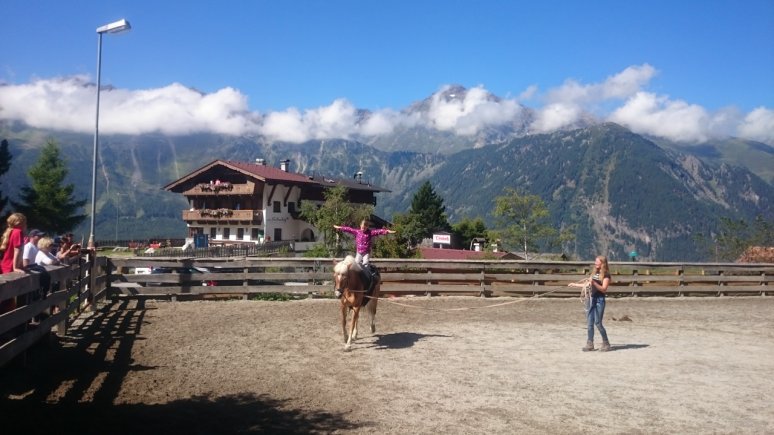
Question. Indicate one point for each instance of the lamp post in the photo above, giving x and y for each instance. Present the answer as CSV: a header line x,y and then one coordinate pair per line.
x,y
114,27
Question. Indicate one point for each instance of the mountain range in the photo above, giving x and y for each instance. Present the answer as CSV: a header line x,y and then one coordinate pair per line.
x,y
618,191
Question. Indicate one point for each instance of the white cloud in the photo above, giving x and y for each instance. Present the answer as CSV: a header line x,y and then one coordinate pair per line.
x,y
68,104
758,125
555,116
468,114
657,115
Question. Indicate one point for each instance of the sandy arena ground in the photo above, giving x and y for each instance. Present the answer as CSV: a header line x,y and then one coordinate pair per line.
x,y
681,365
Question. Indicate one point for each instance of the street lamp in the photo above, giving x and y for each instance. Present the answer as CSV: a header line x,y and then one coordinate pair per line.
x,y
114,27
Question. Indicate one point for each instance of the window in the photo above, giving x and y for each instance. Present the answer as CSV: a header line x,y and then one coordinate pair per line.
x,y
254,234
240,233
277,207
213,232
277,234
291,207
226,233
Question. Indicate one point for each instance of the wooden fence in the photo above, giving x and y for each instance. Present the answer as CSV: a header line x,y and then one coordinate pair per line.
x,y
95,279
73,288
312,276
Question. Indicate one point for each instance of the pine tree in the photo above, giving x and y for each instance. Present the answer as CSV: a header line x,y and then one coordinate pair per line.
x,y
49,204
427,206
5,165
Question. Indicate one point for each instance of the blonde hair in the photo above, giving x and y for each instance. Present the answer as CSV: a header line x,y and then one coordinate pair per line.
x,y
45,243
604,270
15,220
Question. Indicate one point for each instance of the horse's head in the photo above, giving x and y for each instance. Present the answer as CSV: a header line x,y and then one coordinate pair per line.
x,y
341,273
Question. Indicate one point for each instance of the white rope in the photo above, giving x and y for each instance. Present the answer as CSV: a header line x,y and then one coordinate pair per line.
x,y
516,301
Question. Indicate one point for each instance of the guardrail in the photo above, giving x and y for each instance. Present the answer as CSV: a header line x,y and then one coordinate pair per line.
x,y
245,276
73,288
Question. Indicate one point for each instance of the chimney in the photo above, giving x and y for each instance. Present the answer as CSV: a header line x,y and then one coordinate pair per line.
x,y
284,165
260,161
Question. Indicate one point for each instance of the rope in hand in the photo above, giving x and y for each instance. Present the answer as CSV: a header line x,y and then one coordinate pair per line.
x,y
585,292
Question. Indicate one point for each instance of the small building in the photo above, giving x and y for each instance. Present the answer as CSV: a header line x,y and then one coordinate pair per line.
x,y
237,202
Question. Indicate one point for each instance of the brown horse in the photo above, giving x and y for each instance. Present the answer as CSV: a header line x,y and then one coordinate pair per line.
x,y
348,281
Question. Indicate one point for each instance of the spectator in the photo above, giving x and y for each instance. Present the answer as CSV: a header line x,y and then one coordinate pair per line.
x,y
45,257
31,247
11,245
68,250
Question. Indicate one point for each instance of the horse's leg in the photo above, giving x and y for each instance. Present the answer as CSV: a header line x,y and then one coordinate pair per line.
x,y
355,317
344,320
352,326
372,307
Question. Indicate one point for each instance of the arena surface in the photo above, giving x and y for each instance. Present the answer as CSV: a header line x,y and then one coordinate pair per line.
x,y
435,365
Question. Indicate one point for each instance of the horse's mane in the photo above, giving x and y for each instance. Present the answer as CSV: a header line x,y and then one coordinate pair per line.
x,y
343,265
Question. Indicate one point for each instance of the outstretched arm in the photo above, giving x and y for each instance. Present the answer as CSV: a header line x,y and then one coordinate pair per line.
x,y
582,283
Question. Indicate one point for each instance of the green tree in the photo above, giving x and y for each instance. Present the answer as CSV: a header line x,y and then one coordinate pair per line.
x,y
401,244
468,229
49,204
5,165
734,236
336,210
428,214
522,220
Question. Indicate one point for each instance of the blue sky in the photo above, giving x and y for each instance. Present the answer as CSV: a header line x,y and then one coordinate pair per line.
x,y
307,64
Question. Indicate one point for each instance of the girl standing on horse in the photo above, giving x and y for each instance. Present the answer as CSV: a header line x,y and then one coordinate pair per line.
x,y
363,237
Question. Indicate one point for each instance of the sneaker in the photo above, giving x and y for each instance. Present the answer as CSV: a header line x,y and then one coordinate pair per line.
x,y
589,346
605,347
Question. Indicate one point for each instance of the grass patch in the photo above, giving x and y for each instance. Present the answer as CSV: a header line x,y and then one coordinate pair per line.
x,y
275,297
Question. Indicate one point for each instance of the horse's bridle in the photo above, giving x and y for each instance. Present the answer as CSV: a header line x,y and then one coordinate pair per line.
x,y
343,278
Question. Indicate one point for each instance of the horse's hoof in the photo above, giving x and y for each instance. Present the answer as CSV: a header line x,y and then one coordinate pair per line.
x,y
373,329
347,348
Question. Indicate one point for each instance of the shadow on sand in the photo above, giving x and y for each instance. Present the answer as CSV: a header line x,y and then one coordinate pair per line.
x,y
401,340
46,393
627,346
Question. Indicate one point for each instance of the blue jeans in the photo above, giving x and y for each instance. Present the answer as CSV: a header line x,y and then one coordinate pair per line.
x,y
594,317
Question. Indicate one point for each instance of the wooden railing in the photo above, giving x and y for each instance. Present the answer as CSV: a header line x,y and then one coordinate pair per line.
x,y
223,214
73,289
245,276
221,189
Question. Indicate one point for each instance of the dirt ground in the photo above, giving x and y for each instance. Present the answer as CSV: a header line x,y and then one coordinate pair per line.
x,y
460,365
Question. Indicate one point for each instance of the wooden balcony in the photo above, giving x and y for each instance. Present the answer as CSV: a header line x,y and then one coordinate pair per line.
x,y
208,189
223,215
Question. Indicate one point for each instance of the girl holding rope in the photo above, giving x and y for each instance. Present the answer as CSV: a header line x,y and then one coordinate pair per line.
x,y
593,293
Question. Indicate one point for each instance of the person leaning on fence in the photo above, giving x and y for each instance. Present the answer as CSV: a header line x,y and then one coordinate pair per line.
x,y
12,245
45,257
596,286
67,249
31,247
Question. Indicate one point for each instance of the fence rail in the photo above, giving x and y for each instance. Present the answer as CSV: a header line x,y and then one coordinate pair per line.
x,y
38,310
246,276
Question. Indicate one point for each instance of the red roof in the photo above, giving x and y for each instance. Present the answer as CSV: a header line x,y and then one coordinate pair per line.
x,y
274,174
461,254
